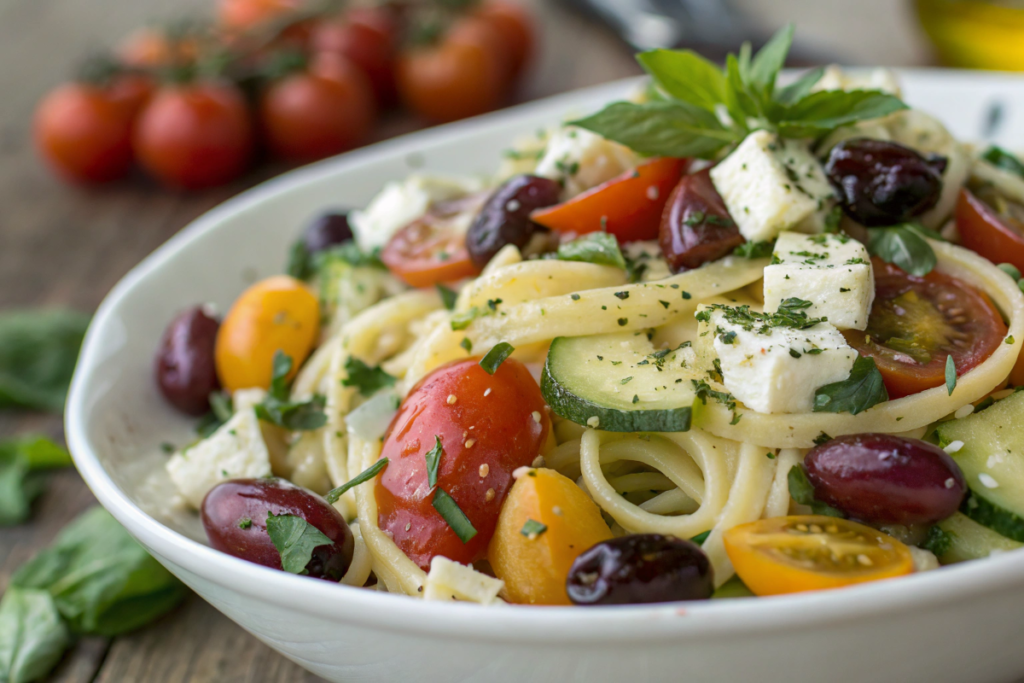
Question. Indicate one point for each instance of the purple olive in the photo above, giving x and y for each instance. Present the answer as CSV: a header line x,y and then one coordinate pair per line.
x,y
235,518
637,569
883,183
185,368
505,216
885,479
329,230
696,227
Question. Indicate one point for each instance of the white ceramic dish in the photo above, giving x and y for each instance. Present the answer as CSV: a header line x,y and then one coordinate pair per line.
x,y
958,624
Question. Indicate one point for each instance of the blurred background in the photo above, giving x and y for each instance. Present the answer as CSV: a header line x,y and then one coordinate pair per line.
x,y
122,120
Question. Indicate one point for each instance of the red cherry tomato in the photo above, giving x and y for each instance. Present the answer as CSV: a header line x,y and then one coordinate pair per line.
x,y
314,114
514,22
462,76
243,15
629,206
493,425
997,237
195,135
433,248
917,322
367,37
84,131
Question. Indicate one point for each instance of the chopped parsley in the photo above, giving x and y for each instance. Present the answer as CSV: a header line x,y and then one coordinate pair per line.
x,y
496,356
368,380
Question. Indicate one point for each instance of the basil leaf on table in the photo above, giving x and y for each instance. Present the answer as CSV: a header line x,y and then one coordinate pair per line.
x,y
32,635
597,247
38,352
802,491
904,246
23,462
863,389
101,580
295,539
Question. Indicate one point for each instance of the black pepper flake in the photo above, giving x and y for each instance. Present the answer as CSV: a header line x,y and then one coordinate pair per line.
x,y
623,322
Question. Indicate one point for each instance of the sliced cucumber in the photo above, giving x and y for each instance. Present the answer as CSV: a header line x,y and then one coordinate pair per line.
x,y
969,540
992,460
620,383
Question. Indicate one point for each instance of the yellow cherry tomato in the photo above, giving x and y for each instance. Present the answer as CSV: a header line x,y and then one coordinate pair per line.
x,y
276,314
534,565
808,553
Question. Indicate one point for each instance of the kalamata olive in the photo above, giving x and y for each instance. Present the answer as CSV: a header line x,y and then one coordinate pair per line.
x,y
883,183
641,568
185,368
505,216
885,479
235,518
330,229
696,227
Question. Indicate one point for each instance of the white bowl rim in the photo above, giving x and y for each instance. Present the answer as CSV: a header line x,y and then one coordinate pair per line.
x,y
544,626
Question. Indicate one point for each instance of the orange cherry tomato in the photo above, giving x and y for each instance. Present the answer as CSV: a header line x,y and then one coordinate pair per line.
x,y
195,135
84,131
917,322
318,113
514,22
149,49
367,36
457,78
276,314
484,438
629,206
996,236
809,553
433,249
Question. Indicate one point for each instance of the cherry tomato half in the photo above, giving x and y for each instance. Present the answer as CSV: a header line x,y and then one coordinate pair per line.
x,y
366,36
797,554
996,235
917,322
195,135
629,206
488,425
433,249
314,114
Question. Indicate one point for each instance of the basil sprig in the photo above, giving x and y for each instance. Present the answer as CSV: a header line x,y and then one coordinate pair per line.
x,y
863,389
906,246
23,463
688,121
38,352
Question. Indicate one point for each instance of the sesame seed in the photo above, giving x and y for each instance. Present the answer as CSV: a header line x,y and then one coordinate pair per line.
x,y
408,526
520,472
953,446
485,469
557,510
487,392
489,496
653,192
470,443
452,399
964,411
815,529
536,416
593,421
864,560
950,483
987,481
538,461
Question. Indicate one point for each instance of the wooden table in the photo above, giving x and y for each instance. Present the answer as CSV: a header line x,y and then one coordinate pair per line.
x,y
63,246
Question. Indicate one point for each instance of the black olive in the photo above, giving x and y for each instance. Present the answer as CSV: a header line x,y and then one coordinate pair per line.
x,y
505,217
185,368
696,227
329,230
884,183
642,568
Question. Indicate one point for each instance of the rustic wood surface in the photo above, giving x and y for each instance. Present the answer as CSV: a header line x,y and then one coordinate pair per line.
x,y
64,246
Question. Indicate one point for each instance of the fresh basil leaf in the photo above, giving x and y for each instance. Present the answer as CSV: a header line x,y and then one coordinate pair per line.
x,y
768,62
600,248
453,515
755,249
802,491
739,102
281,366
461,321
38,352
101,580
686,76
496,356
826,110
701,537
433,458
368,380
295,539
1000,158
675,129
950,374
32,635
448,296
904,246
800,88
23,461
863,389
278,409
532,528
222,406
361,478
300,261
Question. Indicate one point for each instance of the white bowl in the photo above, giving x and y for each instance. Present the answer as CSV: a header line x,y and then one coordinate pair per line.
x,y
956,624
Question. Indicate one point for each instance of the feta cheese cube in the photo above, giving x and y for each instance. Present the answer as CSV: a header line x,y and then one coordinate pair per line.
x,y
402,202
235,451
449,580
582,160
770,185
833,272
768,366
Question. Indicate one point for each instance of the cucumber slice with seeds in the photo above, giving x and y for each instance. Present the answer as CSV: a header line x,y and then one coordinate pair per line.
x,y
620,383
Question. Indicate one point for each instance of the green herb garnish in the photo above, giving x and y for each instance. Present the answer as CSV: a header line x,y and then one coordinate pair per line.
x,y
802,491
448,296
277,408
1000,158
368,380
600,248
496,356
533,528
950,374
453,515
433,458
863,389
904,246
755,249
366,475
295,539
